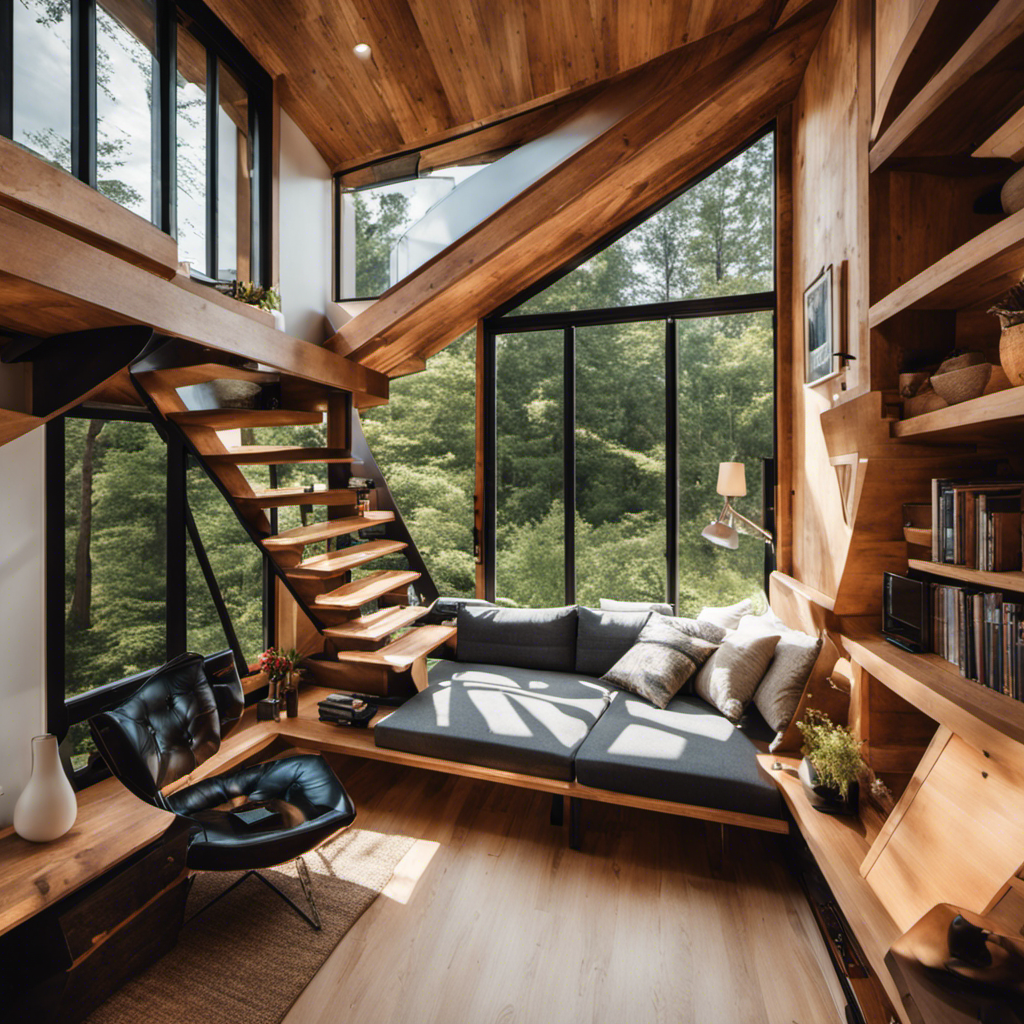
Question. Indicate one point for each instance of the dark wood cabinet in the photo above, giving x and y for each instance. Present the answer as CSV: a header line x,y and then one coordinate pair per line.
x,y
59,965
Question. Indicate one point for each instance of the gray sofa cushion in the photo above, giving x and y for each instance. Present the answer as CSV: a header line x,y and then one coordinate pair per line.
x,y
538,638
514,719
603,637
688,753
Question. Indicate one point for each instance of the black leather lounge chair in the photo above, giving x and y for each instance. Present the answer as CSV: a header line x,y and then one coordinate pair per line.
x,y
244,819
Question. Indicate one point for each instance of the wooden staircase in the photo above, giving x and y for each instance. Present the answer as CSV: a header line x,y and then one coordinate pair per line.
x,y
366,635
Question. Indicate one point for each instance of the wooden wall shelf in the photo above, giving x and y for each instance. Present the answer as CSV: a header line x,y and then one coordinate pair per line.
x,y
976,273
988,720
1001,580
968,98
981,418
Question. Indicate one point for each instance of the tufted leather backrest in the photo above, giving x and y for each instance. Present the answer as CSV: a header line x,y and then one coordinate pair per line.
x,y
227,689
168,727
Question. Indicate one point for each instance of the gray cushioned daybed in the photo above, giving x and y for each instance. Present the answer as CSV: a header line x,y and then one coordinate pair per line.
x,y
525,696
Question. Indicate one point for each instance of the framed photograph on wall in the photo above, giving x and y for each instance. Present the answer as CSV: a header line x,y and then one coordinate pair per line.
x,y
819,338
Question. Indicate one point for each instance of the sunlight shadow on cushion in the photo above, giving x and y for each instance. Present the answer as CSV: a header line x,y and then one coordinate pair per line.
x,y
501,717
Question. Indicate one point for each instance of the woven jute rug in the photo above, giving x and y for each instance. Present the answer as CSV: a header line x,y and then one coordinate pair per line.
x,y
246,959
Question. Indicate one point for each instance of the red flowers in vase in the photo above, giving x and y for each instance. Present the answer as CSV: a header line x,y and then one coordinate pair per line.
x,y
279,663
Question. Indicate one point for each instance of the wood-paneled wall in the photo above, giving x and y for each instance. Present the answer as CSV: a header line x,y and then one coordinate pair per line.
x,y
830,187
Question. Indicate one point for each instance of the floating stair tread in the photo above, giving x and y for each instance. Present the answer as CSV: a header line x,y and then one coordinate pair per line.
x,y
378,625
229,419
369,588
316,532
415,644
278,455
334,563
281,496
202,373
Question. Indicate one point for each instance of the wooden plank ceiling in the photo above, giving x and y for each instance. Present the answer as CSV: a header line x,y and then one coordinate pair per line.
x,y
441,67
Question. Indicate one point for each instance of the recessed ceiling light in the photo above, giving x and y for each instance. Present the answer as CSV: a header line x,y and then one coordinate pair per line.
x,y
362,51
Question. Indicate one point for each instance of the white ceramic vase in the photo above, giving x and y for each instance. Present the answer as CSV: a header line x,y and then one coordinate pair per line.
x,y
47,807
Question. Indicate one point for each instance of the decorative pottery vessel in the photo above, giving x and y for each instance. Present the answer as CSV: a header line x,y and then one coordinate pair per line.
x,y
962,384
1011,354
47,807
826,798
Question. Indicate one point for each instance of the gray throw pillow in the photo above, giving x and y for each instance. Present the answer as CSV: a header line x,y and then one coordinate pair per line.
x,y
779,693
635,606
603,637
731,675
540,638
666,655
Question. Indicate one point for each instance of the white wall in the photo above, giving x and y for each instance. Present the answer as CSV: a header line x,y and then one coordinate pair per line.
x,y
305,235
22,632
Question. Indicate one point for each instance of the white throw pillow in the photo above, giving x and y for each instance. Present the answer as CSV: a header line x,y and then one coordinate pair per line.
x,y
779,692
635,606
730,677
729,616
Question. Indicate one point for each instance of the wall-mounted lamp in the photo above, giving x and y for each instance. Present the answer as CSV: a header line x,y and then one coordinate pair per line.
x,y
725,530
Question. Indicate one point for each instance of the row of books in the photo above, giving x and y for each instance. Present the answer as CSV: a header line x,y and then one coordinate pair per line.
x,y
977,524
980,633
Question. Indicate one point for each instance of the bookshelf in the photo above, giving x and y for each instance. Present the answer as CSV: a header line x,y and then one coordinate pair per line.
x,y
1013,581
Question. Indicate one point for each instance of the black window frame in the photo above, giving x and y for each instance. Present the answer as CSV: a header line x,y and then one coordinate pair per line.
x,y
211,32
500,322
62,712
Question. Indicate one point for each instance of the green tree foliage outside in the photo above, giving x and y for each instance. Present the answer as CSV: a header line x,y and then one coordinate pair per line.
x,y
716,239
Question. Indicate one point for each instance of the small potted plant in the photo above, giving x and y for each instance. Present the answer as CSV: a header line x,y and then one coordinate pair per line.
x,y
252,294
832,764
280,666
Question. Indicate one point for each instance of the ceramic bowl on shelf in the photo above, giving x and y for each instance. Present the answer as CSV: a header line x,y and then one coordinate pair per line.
x,y
963,384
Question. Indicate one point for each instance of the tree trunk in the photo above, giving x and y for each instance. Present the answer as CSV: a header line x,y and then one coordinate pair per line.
x,y
80,615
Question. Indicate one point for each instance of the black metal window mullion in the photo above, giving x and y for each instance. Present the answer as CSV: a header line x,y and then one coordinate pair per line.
x,y
83,91
212,162
7,69
672,462
165,135
177,579
489,518
56,710
569,459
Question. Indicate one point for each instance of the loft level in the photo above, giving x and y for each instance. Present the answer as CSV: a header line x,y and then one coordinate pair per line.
x,y
968,98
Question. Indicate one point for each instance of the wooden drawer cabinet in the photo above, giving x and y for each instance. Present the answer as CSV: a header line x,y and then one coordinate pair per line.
x,y
63,962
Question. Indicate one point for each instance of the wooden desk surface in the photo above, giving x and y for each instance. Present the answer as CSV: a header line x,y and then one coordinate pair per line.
x,y
112,825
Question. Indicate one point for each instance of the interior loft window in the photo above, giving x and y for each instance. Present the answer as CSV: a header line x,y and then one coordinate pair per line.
x,y
191,112
377,245
41,85
125,69
423,440
233,196
182,150
633,326
715,239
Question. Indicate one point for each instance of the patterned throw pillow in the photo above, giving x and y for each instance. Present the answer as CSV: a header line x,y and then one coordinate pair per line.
x,y
666,655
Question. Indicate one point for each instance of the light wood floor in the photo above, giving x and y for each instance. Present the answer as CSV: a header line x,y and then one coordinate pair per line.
x,y
491,919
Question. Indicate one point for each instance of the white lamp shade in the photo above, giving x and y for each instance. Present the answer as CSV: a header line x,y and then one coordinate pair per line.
x,y
732,479
722,535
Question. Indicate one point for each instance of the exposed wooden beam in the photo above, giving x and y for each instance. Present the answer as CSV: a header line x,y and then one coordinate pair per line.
x,y
30,185
104,290
678,125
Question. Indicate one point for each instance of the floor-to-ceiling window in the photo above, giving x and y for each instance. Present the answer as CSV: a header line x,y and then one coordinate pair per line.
x,y
616,388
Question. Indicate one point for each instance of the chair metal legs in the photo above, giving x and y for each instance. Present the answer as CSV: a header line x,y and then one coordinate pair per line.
x,y
312,918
